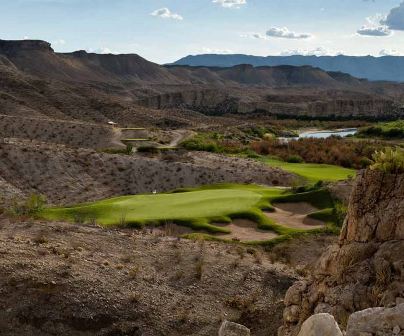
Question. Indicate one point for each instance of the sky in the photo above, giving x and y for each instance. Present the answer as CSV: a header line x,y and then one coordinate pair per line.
x,y
163,31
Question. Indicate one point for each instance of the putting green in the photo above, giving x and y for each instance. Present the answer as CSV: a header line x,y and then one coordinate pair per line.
x,y
202,205
313,172
198,208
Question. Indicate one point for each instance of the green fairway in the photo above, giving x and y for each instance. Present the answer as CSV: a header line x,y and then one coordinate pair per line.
x,y
313,172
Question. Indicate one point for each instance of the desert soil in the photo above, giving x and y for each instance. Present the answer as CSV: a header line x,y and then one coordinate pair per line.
x,y
64,279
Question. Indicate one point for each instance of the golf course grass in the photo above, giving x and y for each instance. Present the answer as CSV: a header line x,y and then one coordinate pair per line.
x,y
197,209
313,172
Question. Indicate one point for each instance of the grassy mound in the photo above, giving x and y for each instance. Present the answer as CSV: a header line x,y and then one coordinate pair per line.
x,y
320,198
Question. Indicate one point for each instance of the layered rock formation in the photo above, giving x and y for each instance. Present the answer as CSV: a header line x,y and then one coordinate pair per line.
x,y
366,268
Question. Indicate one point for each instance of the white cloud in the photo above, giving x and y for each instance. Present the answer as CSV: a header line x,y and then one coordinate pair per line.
x,y
374,31
59,42
374,27
257,36
277,33
320,51
286,33
206,50
102,50
391,52
231,3
165,13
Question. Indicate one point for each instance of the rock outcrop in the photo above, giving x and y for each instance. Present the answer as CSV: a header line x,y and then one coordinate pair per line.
x,y
369,322
320,325
376,211
233,329
377,321
366,268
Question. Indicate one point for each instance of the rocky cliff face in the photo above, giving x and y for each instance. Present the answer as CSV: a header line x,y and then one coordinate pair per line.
x,y
376,211
220,102
366,268
11,47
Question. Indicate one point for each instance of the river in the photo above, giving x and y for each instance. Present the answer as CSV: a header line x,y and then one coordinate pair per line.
x,y
323,134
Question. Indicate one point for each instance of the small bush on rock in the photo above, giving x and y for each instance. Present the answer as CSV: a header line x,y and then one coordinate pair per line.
x,y
389,160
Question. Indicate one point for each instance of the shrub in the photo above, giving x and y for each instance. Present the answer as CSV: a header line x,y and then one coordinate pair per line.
x,y
333,150
390,130
204,145
214,143
148,149
126,151
389,160
340,211
34,204
365,162
294,159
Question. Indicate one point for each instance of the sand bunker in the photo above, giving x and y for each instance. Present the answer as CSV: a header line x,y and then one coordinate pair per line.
x,y
246,230
294,215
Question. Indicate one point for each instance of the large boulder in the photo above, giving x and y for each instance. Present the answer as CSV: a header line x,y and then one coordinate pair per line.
x,y
233,329
377,321
320,325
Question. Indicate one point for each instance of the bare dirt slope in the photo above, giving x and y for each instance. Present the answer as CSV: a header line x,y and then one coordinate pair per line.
x,y
70,133
62,279
70,175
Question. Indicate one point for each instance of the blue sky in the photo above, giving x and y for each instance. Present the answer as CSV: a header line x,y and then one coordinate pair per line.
x,y
166,30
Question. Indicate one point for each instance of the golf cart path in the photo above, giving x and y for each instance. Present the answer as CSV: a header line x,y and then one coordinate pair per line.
x,y
179,136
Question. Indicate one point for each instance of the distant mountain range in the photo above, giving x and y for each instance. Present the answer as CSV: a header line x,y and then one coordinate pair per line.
x,y
36,81
387,68
39,59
